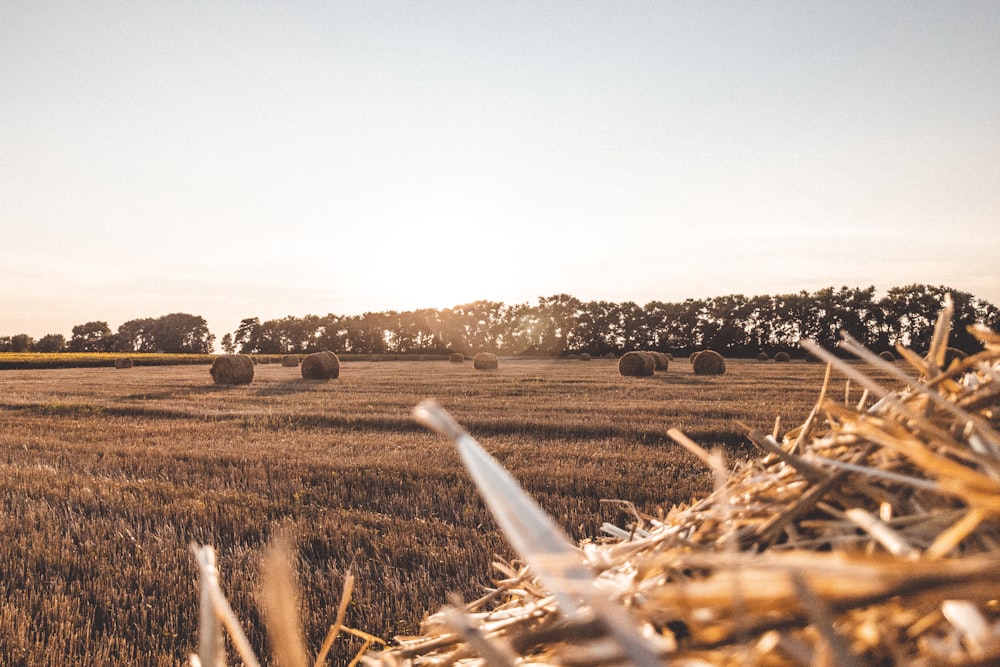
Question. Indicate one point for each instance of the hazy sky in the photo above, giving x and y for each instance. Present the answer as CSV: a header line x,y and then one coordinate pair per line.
x,y
240,159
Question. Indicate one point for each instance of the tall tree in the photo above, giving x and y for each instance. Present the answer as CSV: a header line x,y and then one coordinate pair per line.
x,y
21,343
137,336
91,337
248,335
182,333
51,343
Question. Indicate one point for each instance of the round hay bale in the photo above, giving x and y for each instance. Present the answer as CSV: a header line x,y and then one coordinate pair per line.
x,y
456,357
887,355
123,362
709,362
782,357
636,364
485,361
290,361
762,356
321,366
232,369
660,361
609,355
584,356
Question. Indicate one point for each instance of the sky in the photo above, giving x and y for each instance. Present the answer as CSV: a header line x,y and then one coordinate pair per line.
x,y
265,159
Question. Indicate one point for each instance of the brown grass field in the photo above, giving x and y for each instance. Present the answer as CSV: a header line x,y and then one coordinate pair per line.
x,y
109,475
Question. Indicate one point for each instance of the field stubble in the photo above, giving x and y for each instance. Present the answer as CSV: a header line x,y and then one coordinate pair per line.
x,y
109,475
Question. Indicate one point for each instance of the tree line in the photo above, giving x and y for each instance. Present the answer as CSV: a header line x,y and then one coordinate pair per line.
x,y
735,325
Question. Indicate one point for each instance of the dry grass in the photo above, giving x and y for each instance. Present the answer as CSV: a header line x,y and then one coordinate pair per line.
x,y
109,477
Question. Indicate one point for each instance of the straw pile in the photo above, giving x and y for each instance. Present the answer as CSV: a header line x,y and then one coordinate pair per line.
x,y
321,366
868,535
485,361
232,369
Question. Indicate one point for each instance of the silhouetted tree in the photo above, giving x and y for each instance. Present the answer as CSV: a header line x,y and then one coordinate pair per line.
x,y
51,343
91,337
248,335
22,343
136,336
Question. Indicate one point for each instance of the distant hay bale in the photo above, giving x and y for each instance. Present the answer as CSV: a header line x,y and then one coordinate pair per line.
x,y
265,359
609,355
584,356
485,361
660,361
290,361
321,366
782,357
952,354
762,356
572,357
456,357
232,369
636,364
709,362
887,355
123,362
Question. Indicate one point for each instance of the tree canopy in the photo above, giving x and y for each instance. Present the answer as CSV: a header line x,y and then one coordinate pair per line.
x,y
734,325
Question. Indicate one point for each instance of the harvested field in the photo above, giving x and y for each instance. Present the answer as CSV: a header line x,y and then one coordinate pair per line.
x,y
109,477
866,536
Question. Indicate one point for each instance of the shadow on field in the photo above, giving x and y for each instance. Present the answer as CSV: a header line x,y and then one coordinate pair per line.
x,y
174,393
289,387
